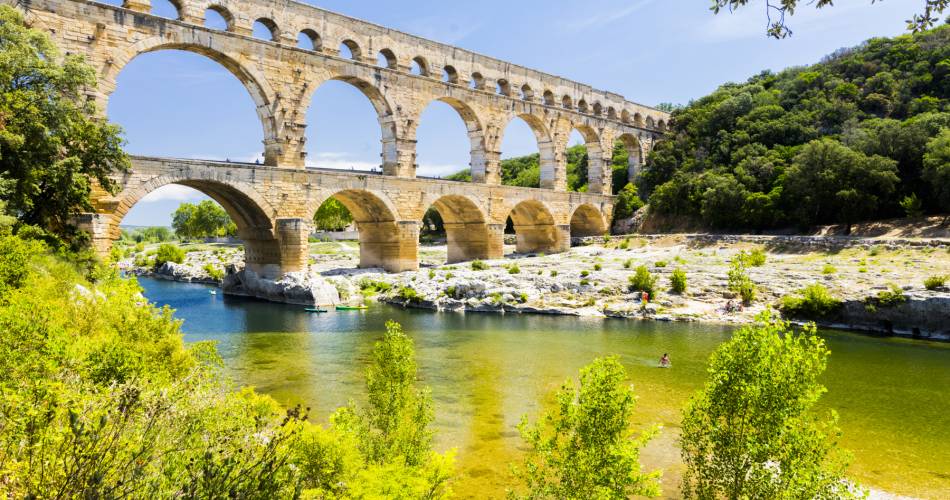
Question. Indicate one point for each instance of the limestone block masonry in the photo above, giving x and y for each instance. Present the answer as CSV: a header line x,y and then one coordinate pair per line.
x,y
273,204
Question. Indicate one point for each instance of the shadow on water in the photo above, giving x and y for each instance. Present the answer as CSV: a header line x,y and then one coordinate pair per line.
x,y
487,370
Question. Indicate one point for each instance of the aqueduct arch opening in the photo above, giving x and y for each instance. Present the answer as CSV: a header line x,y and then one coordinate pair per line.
x,y
271,246
587,221
536,230
549,176
634,156
466,230
382,237
474,134
598,173
256,86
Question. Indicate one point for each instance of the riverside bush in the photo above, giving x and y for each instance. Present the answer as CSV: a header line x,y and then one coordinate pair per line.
x,y
214,272
935,282
478,265
643,281
99,387
757,410
585,445
812,302
678,281
893,296
168,252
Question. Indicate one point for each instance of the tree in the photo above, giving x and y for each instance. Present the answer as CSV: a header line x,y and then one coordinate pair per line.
x,y
831,182
586,447
53,148
203,220
628,202
937,170
332,216
392,433
775,11
752,431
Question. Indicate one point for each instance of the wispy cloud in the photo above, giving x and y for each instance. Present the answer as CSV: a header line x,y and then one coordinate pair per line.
x,y
604,18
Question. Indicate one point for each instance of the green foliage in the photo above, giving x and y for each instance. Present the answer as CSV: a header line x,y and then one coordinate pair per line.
x,y
754,258
554,273
678,281
585,447
214,272
752,431
16,257
812,302
514,269
837,142
332,216
372,287
627,264
598,267
585,273
157,234
912,206
893,296
937,169
643,281
169,252
203,220
409,295
478,265
739,281
829,269
660,264
53,148
935,282
628,202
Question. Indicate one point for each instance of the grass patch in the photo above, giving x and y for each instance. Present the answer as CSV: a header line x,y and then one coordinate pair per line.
x,y
478,265
935,282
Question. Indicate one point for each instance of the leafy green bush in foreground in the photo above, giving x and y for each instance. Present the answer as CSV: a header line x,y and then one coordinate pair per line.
x,y
102,398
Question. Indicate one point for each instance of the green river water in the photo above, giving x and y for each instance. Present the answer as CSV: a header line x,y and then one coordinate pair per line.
x,y
487,370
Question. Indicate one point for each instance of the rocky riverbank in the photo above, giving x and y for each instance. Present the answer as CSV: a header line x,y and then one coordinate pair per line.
x,y
593,279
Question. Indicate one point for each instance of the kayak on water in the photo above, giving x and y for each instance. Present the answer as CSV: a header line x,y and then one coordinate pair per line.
x,y
351,308
316,310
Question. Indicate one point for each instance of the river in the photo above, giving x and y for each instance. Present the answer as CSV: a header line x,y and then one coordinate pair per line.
x,y
487,370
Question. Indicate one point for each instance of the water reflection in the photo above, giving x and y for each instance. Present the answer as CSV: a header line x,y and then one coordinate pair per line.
x,y
486,371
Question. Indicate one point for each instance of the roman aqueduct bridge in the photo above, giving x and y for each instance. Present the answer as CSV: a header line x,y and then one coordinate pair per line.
x,y
401,74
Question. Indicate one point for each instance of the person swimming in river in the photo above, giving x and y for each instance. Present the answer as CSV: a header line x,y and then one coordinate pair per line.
x,y
665,361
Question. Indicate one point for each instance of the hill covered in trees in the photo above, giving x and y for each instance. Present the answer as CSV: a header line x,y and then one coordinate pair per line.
x,y
863,134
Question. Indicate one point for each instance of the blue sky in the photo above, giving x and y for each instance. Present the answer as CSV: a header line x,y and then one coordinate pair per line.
x,y
180,104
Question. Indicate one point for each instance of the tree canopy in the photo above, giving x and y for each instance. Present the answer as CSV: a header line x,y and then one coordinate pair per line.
x,y
203,220
838,141
776,10
53,149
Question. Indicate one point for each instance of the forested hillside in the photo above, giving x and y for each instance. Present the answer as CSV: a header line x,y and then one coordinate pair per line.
x,y
864,134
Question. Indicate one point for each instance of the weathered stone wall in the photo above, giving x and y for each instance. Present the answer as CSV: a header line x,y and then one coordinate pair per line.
x,y
281,78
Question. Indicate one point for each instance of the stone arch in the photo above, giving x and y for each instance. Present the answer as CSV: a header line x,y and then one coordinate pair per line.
x,y
598,109
611,113
387,58
567,102
638,120
473,124
179,11
383,242
256,84
265,252
503,87
625,116
477,82
422,64
650,122
466,229
384,115
535,228
582,106
634,155
527,94
546,149
314,38
596,162
661,125
450,75
356,53
221,11
587,221
271,27
548,98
